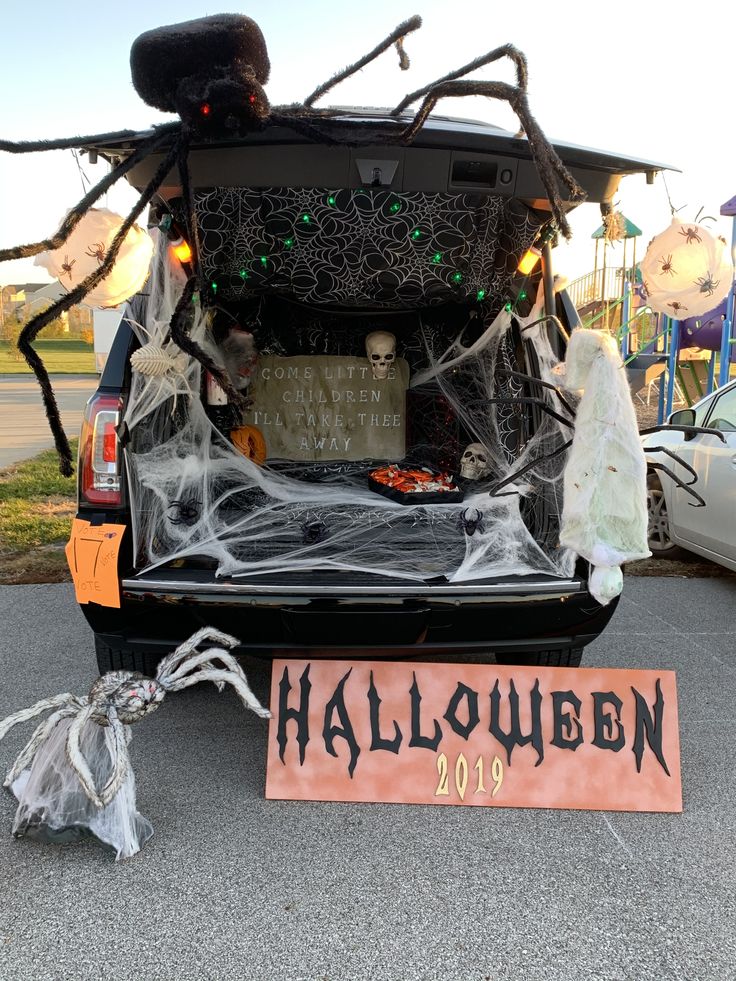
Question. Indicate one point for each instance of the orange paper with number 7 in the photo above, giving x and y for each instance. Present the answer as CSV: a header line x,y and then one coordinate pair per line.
x,y
92,554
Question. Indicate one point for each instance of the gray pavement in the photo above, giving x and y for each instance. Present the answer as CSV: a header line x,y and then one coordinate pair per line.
x,y
232,886
24,430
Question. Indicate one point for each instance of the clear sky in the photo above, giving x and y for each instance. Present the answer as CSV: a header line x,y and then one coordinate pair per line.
x,y
653,79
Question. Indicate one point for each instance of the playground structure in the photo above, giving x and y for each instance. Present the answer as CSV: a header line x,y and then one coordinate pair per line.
x,y
688,357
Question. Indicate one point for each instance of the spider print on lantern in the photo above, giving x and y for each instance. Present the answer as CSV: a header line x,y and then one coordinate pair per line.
x,y
667,265
707,284
97,251
67,266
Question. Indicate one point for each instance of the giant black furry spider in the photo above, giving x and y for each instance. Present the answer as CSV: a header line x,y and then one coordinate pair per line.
x,y
212,72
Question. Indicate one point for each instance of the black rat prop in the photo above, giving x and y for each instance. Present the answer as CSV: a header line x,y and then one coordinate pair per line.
x,y
212,72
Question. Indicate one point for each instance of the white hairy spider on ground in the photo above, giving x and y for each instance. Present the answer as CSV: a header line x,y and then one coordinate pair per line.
x,y
120,698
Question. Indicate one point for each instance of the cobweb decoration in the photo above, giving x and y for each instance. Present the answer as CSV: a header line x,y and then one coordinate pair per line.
x,y
249,520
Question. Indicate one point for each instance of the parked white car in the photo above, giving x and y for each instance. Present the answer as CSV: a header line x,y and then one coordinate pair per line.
x,y
676,521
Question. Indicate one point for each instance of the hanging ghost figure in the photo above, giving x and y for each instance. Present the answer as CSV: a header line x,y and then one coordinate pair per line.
x,y
474,463
380,347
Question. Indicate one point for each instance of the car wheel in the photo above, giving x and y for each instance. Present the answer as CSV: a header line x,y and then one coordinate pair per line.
x,y
658,528
124,659
568,657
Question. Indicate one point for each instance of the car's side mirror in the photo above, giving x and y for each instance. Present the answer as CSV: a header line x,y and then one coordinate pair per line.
x,y
683,417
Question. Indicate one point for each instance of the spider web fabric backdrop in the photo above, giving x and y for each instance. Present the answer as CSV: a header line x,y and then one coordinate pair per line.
x,y
361,247
194,496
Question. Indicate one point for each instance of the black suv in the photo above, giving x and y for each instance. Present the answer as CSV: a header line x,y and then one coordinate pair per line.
x,y
309,250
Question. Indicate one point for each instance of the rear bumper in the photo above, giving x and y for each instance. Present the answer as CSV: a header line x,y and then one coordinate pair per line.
x,y
328,615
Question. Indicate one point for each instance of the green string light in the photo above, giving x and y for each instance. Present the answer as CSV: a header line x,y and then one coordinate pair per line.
x,y
288,242
243,274
457,277
264,260
332,201
395,208
523,295
416,234
306,219
480,295
507,308
214,287
437,258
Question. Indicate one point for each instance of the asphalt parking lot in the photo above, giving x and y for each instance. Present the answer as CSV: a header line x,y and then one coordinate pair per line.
x,y
232,886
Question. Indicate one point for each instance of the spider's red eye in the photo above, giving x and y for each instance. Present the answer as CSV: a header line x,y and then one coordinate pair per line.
x,y
251,99
205,108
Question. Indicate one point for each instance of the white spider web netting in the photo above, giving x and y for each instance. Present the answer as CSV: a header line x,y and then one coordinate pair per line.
x,y
52,806
196,498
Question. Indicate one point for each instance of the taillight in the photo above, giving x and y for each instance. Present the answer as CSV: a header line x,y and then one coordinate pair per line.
x,y
99,465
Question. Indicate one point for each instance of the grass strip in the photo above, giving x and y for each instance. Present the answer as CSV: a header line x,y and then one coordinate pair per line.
x,y
37,505
60,357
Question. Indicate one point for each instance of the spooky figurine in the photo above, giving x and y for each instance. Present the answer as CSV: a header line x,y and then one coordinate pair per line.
x,y
240,356
380,348
474,463
74,773
470,521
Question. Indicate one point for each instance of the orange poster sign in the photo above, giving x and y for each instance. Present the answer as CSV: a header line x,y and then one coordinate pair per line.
x,y
92,554
480,735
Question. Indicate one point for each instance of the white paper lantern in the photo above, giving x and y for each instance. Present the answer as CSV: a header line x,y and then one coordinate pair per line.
x,y
686,271
85,250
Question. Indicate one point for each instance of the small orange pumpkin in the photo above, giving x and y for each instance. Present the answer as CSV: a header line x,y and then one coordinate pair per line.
x,y
249,440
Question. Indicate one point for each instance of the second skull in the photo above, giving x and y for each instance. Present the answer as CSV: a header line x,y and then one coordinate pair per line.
x,y
475,462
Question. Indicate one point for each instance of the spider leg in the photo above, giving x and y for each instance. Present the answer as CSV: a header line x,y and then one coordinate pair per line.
x,y
540,403
182,311
690,430
74,753
237,679
32,328
406,27
676,458
680,483
557,323
530,379
202,659
40,735
292,118
551,169
77,142
94,194
529,466
43,706
121,758
505,51
169,663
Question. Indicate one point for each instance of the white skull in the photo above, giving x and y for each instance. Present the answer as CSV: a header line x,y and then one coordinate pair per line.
x,y
380,347
474,462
